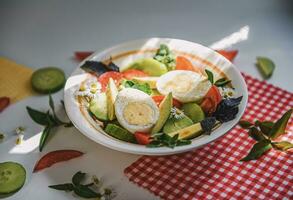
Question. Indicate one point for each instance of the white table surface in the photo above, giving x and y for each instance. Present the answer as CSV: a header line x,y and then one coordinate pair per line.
x,y
42,33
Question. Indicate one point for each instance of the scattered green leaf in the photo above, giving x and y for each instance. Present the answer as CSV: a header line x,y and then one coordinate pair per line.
x,y
256,134
265,126
90,190
245,124
282,146
63,187
78,177
210,76
279,127
46,119
258,150
222,82
266,66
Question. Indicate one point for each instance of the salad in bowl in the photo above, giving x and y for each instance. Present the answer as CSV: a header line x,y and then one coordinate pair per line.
x,y
167,96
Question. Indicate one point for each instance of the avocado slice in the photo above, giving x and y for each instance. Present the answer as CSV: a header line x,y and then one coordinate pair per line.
x,y
151,80
173,124
111,93
98,106
165,109
147,65
193,111
188,132
155,92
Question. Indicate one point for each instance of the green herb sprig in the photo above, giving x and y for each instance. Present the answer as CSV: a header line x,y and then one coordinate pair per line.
x,y
220,82
145,87
165,56
90,190
162,139
47,119
264,133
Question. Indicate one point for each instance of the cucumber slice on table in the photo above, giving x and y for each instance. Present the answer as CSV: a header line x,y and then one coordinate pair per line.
x,y
120,133
12,177
48,80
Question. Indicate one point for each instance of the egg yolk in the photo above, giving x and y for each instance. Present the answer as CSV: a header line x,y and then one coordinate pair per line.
x,y
138,114
180,83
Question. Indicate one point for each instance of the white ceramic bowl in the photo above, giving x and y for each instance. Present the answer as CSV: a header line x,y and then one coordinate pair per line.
x,y
124,53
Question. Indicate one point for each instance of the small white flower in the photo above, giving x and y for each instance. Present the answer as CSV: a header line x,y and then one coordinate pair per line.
x,y
226,92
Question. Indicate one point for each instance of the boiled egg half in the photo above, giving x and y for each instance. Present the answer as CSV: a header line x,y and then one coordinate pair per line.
x,y
135,110
186,86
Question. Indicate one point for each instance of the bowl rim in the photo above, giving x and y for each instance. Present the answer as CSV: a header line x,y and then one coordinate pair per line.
x,y
122,146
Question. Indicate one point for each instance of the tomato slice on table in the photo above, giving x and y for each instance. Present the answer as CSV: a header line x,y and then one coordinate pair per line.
x,y
142,138
230,55
4,102
211,100
159,98
54,157
183,63
129,74
104,79
81,55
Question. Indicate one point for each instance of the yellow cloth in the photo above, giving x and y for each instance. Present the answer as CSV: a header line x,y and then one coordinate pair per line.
x,y
14,80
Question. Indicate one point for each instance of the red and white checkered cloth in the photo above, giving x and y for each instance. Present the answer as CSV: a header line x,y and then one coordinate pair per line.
x,y
214,171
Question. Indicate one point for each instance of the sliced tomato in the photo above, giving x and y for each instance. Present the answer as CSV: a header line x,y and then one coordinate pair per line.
x,y
211,100
142,138
230,55
183,63
104,78
4,102
55,157
159,98
81,55
129,74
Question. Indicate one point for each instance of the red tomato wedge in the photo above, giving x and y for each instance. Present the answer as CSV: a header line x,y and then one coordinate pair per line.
x,y
104,79
4,102
211,100
142,138
230,55
129,74
55,157
183,63
81,55
159,98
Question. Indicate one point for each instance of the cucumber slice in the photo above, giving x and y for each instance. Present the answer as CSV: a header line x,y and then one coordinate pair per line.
x,y
120,133
48,80
12,177
266,66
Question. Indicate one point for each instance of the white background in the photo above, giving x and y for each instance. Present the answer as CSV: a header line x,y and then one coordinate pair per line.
x,y
46,33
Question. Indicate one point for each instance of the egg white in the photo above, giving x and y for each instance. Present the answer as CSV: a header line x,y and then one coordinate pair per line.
x,y
186,86
131,96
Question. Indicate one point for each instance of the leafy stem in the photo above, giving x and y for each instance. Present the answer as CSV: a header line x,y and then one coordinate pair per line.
x,y
48,120
264,132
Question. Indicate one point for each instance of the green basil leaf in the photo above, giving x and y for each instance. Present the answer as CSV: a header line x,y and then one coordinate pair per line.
x,y
266,66
44,137
78,177
142,87
256,134
154,144
222,82
266,127
64,187
37,116
280,126
258,150
86,192
283,146
51,103
245,124
210,76
183,142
